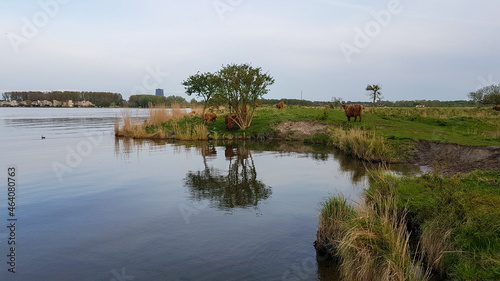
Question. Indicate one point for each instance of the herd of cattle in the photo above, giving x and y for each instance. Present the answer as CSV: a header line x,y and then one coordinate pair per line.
x,y
351,110
212,117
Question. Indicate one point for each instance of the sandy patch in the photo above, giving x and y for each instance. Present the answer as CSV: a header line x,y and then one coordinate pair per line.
x,y
301,129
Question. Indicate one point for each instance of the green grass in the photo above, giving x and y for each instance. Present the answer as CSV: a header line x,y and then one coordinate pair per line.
x,y
459,215
371,241
409,226
469,126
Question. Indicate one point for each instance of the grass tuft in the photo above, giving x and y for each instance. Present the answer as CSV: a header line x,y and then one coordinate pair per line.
x,y
371,241
361,144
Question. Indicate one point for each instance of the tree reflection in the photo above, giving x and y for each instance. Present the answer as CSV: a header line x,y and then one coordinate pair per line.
x,y
236,188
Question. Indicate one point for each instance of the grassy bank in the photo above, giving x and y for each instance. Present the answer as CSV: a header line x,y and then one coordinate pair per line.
x,y
385,134
411,227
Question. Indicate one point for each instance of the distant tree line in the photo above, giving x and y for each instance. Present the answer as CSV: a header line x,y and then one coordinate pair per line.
x,y
402,103
102,99
146,100
293,102
426,103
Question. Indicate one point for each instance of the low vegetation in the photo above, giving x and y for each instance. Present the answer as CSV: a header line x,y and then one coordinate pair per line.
x,y
411,227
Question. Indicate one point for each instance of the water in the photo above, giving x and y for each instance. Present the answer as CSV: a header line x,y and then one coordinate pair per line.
x,y
90,206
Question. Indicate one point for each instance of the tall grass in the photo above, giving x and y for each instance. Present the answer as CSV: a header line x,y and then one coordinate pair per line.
x,y
335,213
161,117
435,242
438,112
376,247
360,143
196,132
129,128
455,220
160,113
371,240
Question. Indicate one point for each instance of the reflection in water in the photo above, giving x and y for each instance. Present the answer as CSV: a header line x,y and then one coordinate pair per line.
x,y
236,188
354,168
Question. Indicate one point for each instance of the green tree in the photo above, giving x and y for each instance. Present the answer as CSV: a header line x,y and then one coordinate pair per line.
x,y
204,85
336,101
146,100
375,93
486,95
240,87
476,97
175,99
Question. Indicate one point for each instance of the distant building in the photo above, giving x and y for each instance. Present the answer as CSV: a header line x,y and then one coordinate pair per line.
x,y
159,92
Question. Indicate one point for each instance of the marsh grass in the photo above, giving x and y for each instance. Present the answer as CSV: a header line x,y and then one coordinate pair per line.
x,y
406,228
438,112
335,213
435,241
129,128
164,123
376,246
161,113
370,241
361,143
455,219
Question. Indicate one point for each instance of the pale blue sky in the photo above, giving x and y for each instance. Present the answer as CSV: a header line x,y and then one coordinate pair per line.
x,y
325,48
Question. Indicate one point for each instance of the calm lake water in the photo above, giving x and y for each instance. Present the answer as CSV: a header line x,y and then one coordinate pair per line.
x,y
90,206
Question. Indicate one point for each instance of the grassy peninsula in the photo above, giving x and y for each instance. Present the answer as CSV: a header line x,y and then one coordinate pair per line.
x,y
384,134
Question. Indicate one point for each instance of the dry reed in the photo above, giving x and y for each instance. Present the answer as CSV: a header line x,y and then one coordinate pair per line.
x,y
361,144
158,115
435,242
376,245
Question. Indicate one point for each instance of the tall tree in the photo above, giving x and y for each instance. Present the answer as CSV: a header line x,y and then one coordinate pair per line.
x,y
375,93
240,87
204,85
486,95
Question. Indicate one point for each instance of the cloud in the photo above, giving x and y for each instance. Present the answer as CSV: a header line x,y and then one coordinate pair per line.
x,y
429,50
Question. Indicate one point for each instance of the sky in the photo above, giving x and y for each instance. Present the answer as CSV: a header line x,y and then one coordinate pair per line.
x,y
315,50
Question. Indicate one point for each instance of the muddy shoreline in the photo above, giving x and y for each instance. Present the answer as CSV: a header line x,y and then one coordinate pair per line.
x,y
456,158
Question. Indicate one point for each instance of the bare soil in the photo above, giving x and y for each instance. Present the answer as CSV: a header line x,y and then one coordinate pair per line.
x,y
456,157
301,129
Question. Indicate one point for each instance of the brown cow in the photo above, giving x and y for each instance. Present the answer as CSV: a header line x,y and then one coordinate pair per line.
x,y
209,117
353,110
496,107
229,121
280,105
